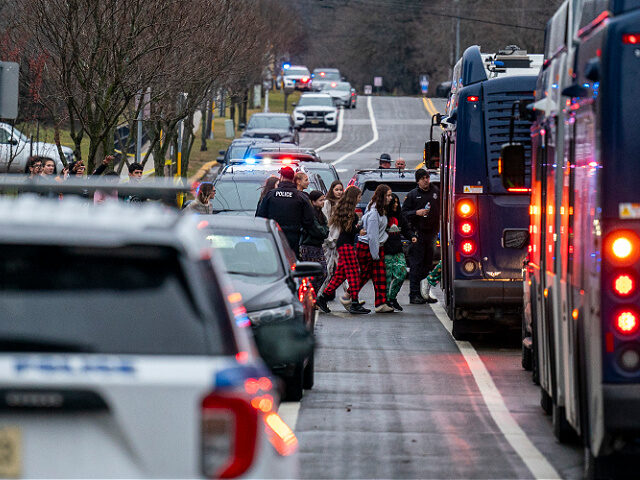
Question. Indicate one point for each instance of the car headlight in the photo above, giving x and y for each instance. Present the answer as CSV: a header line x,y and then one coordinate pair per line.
x,y
272,315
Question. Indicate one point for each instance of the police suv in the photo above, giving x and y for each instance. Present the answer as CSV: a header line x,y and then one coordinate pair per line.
x,y
125,352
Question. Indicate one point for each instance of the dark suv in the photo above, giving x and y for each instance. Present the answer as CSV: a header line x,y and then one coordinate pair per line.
x,y
278,127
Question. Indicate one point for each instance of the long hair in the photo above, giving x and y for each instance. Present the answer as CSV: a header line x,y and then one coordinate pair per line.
x,y
330,195
378,198
394,209
269,185
345,211
204,191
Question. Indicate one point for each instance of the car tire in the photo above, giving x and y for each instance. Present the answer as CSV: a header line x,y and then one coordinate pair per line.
x,y
294,384
562,430
334,128
309,373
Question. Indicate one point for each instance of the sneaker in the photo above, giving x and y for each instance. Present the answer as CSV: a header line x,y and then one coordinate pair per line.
x,y
394,304
321,303
384,308
431,298
346,301
417,301
356,308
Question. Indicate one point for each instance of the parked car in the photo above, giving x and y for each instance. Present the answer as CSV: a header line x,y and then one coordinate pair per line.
x,y
238,185
316,110
16,148
278,127
125,352
342,93
324,76
296,77
242,148
276,291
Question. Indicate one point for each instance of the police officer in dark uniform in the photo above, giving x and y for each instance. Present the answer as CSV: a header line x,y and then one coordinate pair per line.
x,y
422,210
384,161
289,207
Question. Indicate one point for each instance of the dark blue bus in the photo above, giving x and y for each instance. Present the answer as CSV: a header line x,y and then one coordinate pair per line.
x,y
484,225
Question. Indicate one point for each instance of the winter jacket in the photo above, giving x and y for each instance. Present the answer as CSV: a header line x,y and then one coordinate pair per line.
x,y
376,227
418,199
397,227
198,207
316,236
346,237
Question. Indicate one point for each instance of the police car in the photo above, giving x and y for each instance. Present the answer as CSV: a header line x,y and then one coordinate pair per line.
x,y
238,185
125,352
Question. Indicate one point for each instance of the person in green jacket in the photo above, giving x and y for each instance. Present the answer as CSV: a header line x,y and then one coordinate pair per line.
x,y
311,244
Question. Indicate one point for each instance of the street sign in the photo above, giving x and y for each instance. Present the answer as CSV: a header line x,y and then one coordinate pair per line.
x,y
424,83
377,82
9,90
368,90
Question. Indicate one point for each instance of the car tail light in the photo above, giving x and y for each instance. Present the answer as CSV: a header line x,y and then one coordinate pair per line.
x,y
631,38
468,247
304,79
626,322
465,208
624,285
229,435
622,247
305,287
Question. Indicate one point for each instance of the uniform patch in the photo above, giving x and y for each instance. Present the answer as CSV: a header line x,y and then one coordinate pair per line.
x,y
284,194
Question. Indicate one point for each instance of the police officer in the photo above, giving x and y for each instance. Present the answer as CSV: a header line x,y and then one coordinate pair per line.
x,y
422,210
384,161
289,207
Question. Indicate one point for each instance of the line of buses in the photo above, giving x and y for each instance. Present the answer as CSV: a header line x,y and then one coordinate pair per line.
x,y
540,178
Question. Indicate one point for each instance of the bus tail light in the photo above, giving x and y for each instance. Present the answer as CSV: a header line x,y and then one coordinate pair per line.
x,y
473,98
626,322
468,247
469,267
624,285
467,228
622,247
466,208
229,435
629,359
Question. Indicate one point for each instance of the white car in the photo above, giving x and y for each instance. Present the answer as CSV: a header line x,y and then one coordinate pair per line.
x,y
296,77
16,148
316,110
124,351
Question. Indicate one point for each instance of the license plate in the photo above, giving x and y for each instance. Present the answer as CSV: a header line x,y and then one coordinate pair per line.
x,y
10,452
315,121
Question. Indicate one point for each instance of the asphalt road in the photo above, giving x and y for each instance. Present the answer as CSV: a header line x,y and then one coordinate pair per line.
x,y
395,395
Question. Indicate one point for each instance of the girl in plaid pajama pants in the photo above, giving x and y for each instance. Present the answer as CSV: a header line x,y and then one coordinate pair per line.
x,y
369,247
344,218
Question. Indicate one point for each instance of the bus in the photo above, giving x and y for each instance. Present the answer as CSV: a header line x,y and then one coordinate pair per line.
x,y
484,224
581,276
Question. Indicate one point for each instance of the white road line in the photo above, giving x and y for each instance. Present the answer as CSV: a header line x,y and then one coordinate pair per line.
x,y
339,136
517,438
288,411
374,127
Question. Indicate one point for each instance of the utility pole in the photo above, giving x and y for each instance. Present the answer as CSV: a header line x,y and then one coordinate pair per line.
x,y
457,56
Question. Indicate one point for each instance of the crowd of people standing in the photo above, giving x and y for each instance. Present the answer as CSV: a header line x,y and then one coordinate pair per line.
x,y
355,249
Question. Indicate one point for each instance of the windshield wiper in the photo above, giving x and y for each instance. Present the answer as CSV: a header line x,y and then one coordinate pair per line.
x,y
248,274
34,345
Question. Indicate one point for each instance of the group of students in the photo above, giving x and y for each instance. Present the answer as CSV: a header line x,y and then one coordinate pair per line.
x,y
356,249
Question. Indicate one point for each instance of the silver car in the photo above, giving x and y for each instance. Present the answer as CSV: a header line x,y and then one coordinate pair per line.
x,y
342,93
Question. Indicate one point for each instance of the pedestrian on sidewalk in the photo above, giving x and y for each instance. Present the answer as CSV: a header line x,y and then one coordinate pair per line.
x,y
311,245
370,247
394,259
289,207
202,203
345,221
422,210
426,286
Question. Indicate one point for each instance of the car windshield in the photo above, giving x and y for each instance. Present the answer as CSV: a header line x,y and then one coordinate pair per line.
x,y
124,300
401,189
252,254
309,101
325,174
237,151
269,121
296,71
343,87
327,76
232,195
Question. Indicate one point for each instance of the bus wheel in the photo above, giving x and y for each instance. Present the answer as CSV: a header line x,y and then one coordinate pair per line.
x,y
459,332
545,401
598,468
561,428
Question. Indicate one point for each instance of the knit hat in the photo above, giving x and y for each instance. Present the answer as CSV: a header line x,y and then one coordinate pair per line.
x,y
315,195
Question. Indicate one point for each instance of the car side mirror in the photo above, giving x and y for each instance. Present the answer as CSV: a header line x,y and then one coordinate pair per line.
x,y
432,154
592,70
242,126
526,111
511,166
307,269
575,91
220,159
222,152
294,104
14,142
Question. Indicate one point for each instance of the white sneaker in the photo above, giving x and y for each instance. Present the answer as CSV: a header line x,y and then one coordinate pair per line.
x,y
345,300
384,308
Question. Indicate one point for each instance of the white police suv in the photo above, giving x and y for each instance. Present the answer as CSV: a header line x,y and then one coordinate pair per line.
x,y
124,352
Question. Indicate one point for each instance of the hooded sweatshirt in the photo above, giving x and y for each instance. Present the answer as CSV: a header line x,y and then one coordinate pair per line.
x,y
376,227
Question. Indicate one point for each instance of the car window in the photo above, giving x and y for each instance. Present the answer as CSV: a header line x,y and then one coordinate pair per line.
x,y
327,175
236,151
250,254
234,195
297,71
264,121
306,101
4,136
327,76
126,300
401,189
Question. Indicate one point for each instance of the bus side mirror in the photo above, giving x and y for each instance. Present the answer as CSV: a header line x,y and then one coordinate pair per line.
x,y
432,154
511,165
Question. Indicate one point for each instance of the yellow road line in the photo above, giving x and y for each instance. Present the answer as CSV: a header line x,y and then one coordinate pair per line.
x,y
431,110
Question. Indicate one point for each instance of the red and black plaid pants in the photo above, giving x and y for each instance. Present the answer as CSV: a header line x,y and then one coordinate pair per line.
x,y
347,269
371,269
